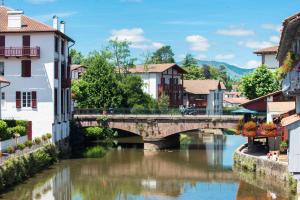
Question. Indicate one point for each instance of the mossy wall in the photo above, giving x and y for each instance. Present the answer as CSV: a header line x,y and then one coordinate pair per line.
x,y
17,169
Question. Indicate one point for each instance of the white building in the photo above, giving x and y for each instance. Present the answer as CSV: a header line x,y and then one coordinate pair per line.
x,y
34,58
162,79
268,57
77,71
204,94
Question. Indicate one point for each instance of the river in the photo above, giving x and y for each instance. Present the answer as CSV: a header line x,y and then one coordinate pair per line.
x,y
200,169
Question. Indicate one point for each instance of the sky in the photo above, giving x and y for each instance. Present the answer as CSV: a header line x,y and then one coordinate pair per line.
x,y
222,30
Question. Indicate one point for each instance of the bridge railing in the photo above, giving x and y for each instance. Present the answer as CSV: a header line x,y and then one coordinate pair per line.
x,y
143,111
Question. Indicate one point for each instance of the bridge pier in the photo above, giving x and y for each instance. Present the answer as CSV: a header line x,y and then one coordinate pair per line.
x,y
163,143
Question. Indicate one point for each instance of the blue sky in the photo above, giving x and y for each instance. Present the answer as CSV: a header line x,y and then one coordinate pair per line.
x,y
224,30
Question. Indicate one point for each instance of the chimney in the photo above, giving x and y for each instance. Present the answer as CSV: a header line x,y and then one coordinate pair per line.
x,y
14,18
62,26
55,22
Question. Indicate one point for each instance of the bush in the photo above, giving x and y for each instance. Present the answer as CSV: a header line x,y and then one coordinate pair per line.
x,y
11,150
95,152
37,141
17,129
49,135
21,123
96,132
21,146
3,131
138,109
28,143
44,138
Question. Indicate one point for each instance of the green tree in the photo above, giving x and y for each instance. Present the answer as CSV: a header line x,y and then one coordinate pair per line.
x,y
206,71
194,73
163,55
98,87
77,57
189,61
120,54
260,82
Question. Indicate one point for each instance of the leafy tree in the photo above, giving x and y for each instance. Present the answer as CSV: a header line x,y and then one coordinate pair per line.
x,y
98,87
194,73
206,71
163,55
163,103
120,54
260,82
77,57
189,61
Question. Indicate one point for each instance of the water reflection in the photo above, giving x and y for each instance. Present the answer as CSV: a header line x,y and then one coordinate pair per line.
x,y
200,171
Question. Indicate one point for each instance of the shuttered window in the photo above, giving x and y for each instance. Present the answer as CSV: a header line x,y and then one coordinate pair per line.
x,y
18,99
2,45
26,68
55,101
56,44
63,71
62,102
26,99
56,70
26,45
1,68
63,47
34,99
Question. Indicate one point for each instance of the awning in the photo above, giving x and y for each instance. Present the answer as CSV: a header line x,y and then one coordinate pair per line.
x,y
244,111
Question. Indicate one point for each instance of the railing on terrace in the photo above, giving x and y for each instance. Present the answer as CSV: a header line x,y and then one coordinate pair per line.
x,y
19,51
141,111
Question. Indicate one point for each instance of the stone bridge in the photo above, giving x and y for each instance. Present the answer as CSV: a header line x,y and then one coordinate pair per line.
x,y
156,130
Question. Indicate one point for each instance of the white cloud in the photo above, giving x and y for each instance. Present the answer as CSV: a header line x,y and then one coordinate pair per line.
x,y
256,44
136,37
47,17
273,27
275,39
252,64
233,31
40,1
225,56
197,42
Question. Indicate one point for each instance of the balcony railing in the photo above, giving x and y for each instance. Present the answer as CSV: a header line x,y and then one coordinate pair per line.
x,y
20,52
167,87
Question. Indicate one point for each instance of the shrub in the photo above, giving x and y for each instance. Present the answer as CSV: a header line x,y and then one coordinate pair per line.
x,y
17,129
284,145
44,138
95,132
37,140
21,123
21,146
49,135
11,149
3,131
138,109
28,143
95,152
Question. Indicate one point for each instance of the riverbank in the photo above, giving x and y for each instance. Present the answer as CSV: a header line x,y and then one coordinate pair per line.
x,y
19,168
263,167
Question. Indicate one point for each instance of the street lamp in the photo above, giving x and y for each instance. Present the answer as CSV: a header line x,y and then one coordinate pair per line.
x,y
3,83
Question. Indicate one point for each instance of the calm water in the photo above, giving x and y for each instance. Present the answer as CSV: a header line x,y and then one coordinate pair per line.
x,y
200,170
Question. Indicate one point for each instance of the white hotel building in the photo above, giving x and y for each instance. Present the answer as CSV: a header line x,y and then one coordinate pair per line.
x,y
34,58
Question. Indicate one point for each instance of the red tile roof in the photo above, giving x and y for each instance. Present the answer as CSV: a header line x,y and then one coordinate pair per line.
x,y
239,100
269,50
290,120
154,68
75,66
3,80
28,25
202,86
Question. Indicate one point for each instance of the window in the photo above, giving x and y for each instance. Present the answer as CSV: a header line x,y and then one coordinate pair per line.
x,y
56,70
56,44
55,101
26,99
26,68
1,68
26,45
63,47
2,44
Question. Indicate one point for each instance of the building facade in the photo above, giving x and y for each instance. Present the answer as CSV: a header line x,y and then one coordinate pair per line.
x,y
162,79
34,59
206,95
77,71
268,57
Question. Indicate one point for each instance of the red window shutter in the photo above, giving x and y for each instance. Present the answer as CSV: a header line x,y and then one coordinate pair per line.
x,y
2,41
56,70
26,40
18,99
34,99
26,68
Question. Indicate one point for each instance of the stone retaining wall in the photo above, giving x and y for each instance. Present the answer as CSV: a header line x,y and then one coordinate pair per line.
x,y
277,170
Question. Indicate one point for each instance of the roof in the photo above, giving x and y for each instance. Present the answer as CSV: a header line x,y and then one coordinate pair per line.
x,y
236,100
154,68
244,111
290,25
202,86
28,25
268,50
74,67
262,97
233,93
290,120
281,107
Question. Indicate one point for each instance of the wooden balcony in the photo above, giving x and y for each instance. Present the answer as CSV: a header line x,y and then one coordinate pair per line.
x,y
167,87
20,52
66,83
291,83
